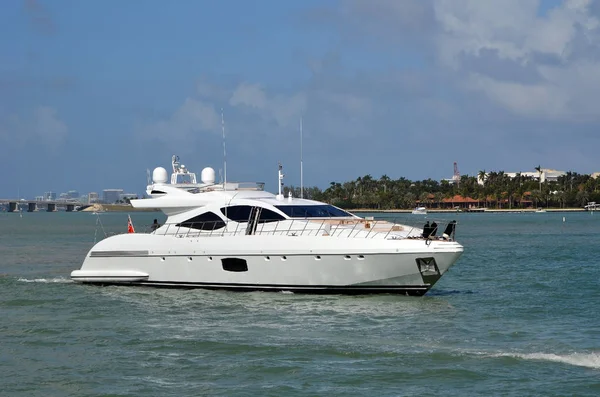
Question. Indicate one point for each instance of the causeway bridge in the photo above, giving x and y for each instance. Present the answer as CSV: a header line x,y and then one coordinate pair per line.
x,y
16,205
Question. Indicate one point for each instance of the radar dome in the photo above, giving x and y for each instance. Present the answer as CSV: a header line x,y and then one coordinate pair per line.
x,y
159,175
208,176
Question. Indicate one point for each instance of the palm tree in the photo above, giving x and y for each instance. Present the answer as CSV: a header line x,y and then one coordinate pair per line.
x,y
409,200
482,176
424,199
539,170
537,197
384,180
582,197
438,197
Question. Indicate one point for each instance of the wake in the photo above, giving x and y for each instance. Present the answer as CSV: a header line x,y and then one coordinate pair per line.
x,y
45,280
589,360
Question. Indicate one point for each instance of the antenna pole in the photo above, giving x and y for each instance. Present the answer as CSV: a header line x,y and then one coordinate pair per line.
x,y
224,152
301,171
280,183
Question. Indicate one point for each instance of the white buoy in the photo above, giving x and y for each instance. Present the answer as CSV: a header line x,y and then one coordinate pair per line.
x,y
564,219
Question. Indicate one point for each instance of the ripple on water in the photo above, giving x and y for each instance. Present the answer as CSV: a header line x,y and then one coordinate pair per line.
x,y
517,315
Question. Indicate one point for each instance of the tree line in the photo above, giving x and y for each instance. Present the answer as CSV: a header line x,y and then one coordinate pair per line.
x,y
498,191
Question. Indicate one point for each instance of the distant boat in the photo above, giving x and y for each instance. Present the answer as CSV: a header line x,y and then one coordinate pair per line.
x,y
477,209
540,210
420,211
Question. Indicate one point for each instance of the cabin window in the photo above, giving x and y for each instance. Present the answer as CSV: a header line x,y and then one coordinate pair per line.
x,y
234,264
237,213
267,215
185,178
206,221
157,192
241,213
313,211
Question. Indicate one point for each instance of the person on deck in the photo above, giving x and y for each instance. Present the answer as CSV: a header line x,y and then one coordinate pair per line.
x,y
450,230
434,228
154,225
426,230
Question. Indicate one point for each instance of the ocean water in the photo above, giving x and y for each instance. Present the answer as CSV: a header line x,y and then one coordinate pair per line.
x,y
518,315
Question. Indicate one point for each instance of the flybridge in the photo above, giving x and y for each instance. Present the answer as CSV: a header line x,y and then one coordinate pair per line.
x,y
180,173
183,178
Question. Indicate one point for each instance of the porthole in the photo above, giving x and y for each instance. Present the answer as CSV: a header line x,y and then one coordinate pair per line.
x,y
210,258
267,258
189,258
361,257
162,259
318,257
347,257
284,258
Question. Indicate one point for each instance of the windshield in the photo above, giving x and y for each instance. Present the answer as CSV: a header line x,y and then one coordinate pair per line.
x,y
185,178
312,211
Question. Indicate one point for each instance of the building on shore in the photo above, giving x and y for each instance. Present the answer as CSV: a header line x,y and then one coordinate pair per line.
x,y
49,196
93,197
111,196
544,175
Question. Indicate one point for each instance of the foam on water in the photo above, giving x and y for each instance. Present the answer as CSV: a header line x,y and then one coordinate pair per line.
x,y
589,360
45,280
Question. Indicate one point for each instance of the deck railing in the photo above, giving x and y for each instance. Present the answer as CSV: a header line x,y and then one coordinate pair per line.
x,y
330,227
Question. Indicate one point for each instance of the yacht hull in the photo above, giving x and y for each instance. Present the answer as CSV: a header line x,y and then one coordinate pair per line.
x,y
322,265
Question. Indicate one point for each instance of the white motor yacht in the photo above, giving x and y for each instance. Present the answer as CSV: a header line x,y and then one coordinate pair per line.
x,y
227,236
419,211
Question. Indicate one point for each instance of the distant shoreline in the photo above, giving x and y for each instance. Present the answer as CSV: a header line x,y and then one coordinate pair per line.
x,y
129,208
451,211
117,208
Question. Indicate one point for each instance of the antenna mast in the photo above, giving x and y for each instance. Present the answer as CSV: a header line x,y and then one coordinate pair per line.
x,y
280,184
224,152
301,174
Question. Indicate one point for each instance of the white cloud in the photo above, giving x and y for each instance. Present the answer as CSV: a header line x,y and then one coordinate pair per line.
x,y
348,103
284,110
191,118
539,100
251,95
42,126
536,65
512,27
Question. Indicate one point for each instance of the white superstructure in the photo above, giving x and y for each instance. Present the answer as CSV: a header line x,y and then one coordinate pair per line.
x,y
229,237
185,180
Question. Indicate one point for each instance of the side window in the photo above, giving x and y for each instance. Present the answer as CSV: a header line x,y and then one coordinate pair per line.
x,y
206,221
313,211
267,215
238,213
234,265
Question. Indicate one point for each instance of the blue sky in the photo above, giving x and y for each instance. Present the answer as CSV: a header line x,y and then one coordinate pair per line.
x,y
93,93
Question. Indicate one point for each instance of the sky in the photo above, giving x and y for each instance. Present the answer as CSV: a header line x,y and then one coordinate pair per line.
x,y
94,93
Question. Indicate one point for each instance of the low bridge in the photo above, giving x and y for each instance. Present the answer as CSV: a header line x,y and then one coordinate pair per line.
x,y
14,205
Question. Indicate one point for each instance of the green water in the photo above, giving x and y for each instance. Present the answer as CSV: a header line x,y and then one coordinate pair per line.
x,y
518,315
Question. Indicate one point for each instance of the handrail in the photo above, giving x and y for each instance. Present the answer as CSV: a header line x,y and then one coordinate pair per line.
x,y
329,227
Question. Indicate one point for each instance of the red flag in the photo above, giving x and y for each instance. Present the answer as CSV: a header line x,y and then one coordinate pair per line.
x,y
130,228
